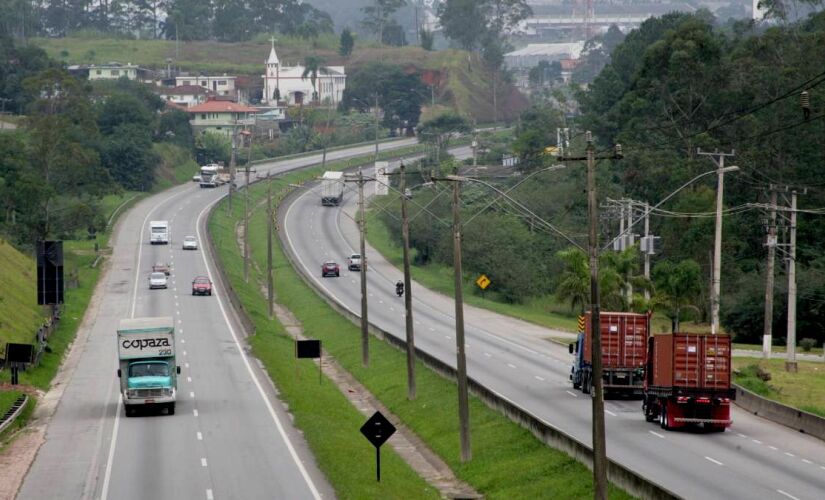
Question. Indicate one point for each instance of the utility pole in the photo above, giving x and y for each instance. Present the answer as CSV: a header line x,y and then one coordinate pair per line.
x,y
246,215
405,233
790,363
461,362
269,223
647,253
629,239
376,136
231,166
362,227
717,247
767,335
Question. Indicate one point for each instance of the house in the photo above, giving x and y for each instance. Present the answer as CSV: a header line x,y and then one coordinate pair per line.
x,y
185,95
220,85
115,70
221,117
287,83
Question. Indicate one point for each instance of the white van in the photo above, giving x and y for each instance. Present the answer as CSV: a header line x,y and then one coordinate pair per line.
x,y
159,232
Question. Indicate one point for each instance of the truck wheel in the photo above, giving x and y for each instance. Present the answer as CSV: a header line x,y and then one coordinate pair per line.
x,y
586,383
648,411
171,408
130,412
663,423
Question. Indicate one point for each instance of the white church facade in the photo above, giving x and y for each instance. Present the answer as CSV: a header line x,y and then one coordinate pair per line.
x,y
286,83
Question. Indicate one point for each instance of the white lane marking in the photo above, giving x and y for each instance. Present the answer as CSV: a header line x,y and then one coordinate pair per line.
x,y
186,364
789,454
511,365
182,341
380,301
245,359
448,337
200,437
610,412
184,353
466,345
786,494
657,434
179,321
393,309
488,354
756,441
203,462
717,462
774,448
741,435
822,467
572,393
209,495
538,378
177,305
432,329
188,379
108,475
807,461
195,412
191,394
176,298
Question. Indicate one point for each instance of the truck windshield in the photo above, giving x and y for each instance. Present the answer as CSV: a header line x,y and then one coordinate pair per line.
x,y
149,370
158,229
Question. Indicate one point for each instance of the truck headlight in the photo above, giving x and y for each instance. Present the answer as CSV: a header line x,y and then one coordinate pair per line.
x,y
131,393
167,392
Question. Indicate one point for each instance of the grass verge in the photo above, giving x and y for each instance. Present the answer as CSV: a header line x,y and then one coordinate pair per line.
x,y
777,349
804,390
508,461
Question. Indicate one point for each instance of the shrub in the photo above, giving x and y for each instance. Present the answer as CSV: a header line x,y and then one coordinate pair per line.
x,y
807,344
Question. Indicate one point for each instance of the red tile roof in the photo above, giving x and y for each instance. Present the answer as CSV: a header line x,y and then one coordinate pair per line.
x,y
221,107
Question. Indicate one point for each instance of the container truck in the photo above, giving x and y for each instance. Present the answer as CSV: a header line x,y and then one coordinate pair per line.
x,y
332,188
624,341
159,232
147,369
212,176
687,381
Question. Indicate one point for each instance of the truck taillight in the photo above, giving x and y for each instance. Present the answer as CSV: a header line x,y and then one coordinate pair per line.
x,y
722,401
683,399
703,400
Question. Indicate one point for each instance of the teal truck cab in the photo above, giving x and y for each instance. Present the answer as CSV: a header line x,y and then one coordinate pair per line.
x,y
147,369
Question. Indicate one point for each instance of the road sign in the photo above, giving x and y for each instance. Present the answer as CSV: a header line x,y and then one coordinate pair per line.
x,y
309,349
581,323
377,430
483,282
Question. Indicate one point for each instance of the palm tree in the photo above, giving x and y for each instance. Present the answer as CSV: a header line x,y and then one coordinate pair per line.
x,y
625,264
312,66
677,287
574,285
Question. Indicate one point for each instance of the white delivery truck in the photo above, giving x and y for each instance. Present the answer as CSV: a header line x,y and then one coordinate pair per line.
x,y
159,232
332,188
147,368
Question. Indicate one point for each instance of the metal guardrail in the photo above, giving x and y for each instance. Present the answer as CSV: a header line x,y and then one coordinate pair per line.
x,y
15,411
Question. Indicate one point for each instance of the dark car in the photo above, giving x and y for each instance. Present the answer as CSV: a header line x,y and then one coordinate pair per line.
x,y
330,268
201,286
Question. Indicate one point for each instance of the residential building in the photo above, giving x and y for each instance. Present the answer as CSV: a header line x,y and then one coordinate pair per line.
x,y
115,70
220,85
185,95
288,83
221,117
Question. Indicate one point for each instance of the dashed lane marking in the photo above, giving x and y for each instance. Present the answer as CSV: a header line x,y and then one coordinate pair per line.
x,y
188,379
610,412
657,434
488,354
191,394
538,378
717,462
186,364
789,454
511,365
209,495
572,393
203,462
756,441
195,412
786,494
807,461
200,436
774,448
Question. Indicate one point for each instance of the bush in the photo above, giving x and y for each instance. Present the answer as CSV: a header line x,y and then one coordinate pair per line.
x,y
807,344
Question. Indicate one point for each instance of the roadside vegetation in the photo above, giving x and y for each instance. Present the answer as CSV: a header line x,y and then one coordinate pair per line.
x,y
508,461
804,390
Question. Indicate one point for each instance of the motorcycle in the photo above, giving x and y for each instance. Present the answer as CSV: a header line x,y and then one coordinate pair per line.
x,y
399,289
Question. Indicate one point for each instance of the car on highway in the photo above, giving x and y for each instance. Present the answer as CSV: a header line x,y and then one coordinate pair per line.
x,y
330,268
160,267
201,285
196,178
354,262
157,280
190,243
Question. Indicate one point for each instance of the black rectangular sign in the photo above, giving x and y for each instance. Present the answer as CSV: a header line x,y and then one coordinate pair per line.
x,y
49,272
19,353
309,349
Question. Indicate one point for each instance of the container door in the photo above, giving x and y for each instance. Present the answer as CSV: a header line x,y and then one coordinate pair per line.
x,y
687,360
634,341
716,366
611,326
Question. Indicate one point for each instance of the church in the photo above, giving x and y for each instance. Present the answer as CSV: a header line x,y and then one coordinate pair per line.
x,y
285,83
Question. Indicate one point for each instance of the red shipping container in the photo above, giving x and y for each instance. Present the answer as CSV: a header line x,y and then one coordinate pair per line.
x,y
624,339
691,360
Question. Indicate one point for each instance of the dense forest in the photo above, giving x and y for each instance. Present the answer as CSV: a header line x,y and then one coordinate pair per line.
x,y
678,84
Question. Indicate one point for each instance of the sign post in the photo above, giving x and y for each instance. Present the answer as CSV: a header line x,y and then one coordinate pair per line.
x,y
377,430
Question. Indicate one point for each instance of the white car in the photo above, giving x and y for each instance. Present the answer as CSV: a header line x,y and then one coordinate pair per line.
x,y
157,280
196,178
190,243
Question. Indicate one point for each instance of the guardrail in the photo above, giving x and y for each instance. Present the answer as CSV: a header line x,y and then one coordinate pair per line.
x,y
15,411
796,419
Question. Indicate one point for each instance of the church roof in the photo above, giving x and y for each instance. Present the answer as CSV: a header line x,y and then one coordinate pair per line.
x,y
273,57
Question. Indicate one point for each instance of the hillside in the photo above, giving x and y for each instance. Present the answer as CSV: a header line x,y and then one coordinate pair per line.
x,y
19,313
461,81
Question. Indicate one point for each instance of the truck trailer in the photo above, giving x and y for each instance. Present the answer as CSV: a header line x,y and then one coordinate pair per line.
x,y
147,367
624,341
159,232
332,188
687,381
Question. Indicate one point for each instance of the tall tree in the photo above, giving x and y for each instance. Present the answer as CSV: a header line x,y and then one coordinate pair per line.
x,y
677,287
377,15
313,65
346,43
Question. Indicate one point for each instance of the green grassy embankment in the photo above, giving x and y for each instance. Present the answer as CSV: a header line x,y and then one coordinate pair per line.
x,y
508,461
804,390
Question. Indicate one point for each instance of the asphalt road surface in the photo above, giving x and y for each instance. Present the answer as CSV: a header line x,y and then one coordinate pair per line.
x,y
754,459
229,438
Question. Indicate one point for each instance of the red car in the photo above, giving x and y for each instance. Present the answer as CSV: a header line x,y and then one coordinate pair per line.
x,y
201,286
160,267
330,268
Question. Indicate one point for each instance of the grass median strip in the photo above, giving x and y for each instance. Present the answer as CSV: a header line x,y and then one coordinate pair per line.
x,y
508,461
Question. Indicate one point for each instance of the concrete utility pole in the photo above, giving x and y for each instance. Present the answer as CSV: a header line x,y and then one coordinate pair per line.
x,y
790,363
767,333
362,229
628,245
246,215
269,223
376,137
461,362
408,316
232,166
717,246
647,253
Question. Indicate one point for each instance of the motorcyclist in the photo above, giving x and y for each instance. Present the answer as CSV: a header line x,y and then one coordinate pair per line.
x,y
399,288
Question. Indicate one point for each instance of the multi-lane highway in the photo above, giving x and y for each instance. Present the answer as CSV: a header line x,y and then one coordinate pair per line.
x,y
230,437
755,458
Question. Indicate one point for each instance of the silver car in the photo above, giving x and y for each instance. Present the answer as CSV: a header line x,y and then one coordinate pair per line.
x,y
157,280
190,243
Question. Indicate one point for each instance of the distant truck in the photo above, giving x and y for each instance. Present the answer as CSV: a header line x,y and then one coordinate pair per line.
x,y
624,343
147,367
687,381
159,232
212,176
332,188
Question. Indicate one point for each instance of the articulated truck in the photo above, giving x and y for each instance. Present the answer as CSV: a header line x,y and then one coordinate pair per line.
x,y
212,176
147,368
624,343
687,381
332,189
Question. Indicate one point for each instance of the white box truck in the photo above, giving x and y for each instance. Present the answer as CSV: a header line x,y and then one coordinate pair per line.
x,y
147,367
159,232
332,188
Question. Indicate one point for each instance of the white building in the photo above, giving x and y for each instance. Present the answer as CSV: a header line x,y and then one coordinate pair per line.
x,y
220,85
185,95
293,88
115,71
222,117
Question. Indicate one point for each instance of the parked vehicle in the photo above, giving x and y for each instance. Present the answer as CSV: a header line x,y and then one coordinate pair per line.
x,y
159,232
190,243
147,368
624,344
330,268
687,381
157,280
354,262
160,267
332,188
201,285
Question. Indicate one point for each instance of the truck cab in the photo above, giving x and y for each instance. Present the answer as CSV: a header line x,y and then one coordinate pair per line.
x,y
580,367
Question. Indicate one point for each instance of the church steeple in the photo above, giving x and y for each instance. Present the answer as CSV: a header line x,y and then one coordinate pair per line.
x,y
273,57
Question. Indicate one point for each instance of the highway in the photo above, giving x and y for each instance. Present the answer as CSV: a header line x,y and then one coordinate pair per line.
x,y
755,458
230,436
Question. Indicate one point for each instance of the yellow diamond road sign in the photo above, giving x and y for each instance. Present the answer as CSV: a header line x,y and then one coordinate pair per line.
x,y
483,281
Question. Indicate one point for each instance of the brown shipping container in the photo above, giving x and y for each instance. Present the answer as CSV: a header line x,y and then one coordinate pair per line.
x,y
691,360
624,339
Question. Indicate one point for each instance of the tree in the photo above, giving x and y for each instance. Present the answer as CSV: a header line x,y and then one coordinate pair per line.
x,y
399,92
377,16
676,287
427,39
440,129
231,21
174,126
470,22
212,148
346,43
312,66
536,131
393,34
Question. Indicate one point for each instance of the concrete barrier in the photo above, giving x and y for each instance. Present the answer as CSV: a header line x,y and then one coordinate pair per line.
x,y
794,418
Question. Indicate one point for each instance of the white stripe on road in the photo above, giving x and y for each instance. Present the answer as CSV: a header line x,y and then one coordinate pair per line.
x,y
717,462
786,494
572,393
538,378
807,461
203,462
657,434
756,441
610,412
511,365
200,437
188,379
195,412
488,354
774,448
789,454
191,394
209,495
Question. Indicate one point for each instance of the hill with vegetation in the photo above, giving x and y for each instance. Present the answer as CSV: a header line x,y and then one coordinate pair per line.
x,y
19,313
